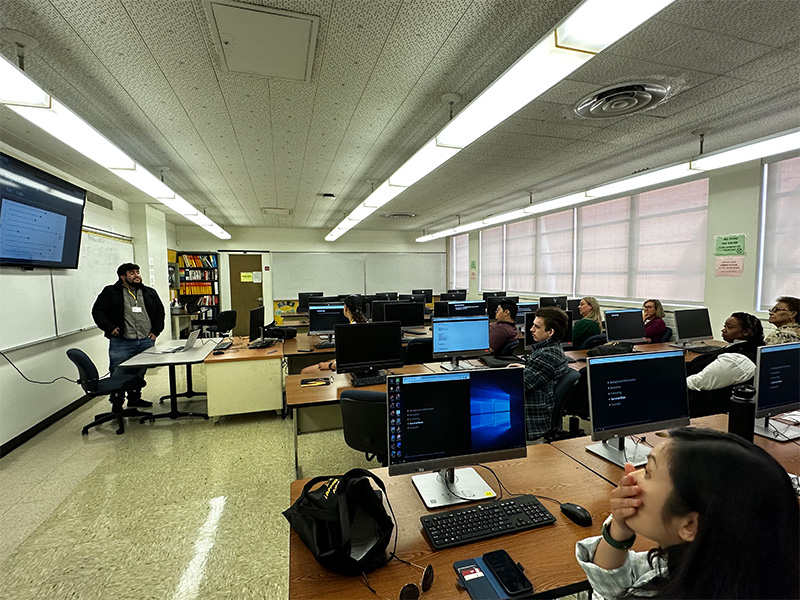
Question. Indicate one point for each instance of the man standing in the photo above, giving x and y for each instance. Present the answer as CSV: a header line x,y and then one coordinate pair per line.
x,y
546,365
131,316
504,329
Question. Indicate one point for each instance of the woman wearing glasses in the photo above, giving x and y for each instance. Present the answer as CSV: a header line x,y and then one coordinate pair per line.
x,y
785,316
653,315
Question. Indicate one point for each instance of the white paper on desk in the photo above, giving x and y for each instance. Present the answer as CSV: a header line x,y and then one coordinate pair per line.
x,y
256,276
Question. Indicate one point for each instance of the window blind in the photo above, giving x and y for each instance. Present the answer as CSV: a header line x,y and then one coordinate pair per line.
x,y
492,253
459,261
520,256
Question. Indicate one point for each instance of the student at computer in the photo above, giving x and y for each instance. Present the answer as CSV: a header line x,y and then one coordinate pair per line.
x,y
545,367
590,323
354,311
504,329
653,315
785,316
690,499
719,371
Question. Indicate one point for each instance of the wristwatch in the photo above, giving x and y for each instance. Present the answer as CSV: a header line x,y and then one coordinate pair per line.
x,y
619,545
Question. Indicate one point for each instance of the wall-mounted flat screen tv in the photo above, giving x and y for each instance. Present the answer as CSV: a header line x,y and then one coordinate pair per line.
x,y
40,217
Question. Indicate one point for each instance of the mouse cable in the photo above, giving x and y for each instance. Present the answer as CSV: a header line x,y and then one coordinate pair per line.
x,y
499,485
31,380
503,487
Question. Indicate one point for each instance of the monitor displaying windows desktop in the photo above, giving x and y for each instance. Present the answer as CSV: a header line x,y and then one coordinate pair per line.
x,y
302,300
460,337
494,301
428,294
450,296
466,308
440,421
487,295
528,317
692,325
559,301
777,383
410,314
522,309
635,394
624,325
256,323
365,348
323,318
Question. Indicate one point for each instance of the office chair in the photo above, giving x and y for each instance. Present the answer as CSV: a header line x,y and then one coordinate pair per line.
x,y
418,352
594,340
508,349
225,323
364,422
562,390
576,404
114,386
666,336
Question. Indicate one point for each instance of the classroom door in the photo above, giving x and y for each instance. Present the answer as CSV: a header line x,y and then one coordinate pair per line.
x,y
246,294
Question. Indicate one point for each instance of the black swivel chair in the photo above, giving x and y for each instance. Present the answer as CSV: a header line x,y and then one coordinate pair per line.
x,y
225,323
666,336
508,349
594,340
562,390
114,387
418,352
364,422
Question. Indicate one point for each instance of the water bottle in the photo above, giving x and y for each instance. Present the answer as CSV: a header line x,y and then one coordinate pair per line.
x,y
742,413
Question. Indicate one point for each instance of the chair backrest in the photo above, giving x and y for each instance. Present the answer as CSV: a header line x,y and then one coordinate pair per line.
x,y
667,335
87,372
418,351
226,320
594,340
364,421
508,349
561,391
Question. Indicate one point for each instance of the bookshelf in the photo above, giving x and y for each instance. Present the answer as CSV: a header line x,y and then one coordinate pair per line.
x,y
199,282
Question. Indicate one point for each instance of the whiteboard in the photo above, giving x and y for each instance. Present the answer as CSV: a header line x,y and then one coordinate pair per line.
x,y
75,290
26,306
404,271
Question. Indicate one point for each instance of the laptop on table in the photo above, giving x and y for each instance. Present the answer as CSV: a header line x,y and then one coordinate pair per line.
x,y
190,342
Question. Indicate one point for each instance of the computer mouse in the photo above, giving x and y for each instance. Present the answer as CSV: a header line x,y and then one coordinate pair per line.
x,y
577,514
218,352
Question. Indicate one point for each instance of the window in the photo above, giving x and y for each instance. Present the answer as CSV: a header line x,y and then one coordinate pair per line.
x,y
492,259
459,261
554,253
521,256
779,269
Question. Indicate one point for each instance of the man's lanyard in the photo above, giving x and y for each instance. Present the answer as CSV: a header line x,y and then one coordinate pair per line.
x,y
135,299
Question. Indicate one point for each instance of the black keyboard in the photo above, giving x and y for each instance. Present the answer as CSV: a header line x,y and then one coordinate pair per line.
x,y
475,523
223,345
323,345
370,380
414,332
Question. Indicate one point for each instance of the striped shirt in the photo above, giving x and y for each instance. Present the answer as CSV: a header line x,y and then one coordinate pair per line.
x,y
546,365
610,583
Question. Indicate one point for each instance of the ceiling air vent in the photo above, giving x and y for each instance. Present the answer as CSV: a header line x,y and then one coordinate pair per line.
x,y
277,210
399,215
621,100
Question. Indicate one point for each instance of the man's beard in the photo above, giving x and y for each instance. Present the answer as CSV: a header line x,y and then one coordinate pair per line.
x,y
136,284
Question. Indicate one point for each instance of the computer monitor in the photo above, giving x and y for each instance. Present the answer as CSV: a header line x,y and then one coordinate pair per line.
x,y
323,318
522,309
440,308
365,348
693,325
428,294
777,383
466,308
528,317
458,291
451,296
487,295
323,300
559,301
256,323
302,300
376,310
633,394
624,325
411,298
460,337
572,308
410,314
493,302
387,295
439,421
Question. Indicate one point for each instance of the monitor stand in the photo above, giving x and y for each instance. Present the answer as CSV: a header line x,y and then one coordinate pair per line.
x,y
779,432
464,482
455,365
690,345
621,450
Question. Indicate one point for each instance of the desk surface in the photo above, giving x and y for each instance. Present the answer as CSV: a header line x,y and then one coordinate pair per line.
x,y
153,358
239,351
581,354
548,553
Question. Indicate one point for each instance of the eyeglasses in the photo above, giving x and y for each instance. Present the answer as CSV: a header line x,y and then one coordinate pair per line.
x,y
410,591
647,306
776,309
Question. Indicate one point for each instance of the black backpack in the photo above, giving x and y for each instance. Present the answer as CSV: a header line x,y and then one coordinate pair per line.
x,y
344,523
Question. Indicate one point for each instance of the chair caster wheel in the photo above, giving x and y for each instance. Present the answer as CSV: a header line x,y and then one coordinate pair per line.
x,y
84,432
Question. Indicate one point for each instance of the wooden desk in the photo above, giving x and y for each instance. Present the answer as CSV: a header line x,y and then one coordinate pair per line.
x,y
580,355
242,380
548,553
300,352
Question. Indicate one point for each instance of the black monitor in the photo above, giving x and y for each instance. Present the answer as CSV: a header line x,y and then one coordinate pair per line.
x,y
692,325
487,295
528,317
466,308
324,300
302,300
323,318
411,298
460,337
439,421
386,295
633,394
428,294
376,310
572,308
777,383
522,309
256,323
458,291
365,348
492,302
410,314
450,296
440,308
559,301
624,325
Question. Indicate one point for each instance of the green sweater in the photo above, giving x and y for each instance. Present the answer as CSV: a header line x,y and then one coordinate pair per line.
x,y
582,330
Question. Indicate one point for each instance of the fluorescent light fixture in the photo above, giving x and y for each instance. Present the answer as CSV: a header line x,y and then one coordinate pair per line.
x,y
361,212
556,203
65,125
770,147
596,24
504,217
19,89
140,178
385,193
427,158
642,181
179,205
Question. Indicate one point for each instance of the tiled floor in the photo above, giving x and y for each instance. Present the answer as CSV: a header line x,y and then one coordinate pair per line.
x,y
170,510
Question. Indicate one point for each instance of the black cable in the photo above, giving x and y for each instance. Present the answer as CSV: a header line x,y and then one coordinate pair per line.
x,y
503,487
783,434
31,380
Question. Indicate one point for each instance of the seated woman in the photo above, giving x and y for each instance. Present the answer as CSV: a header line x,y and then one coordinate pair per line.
x,y
785,316
653,315
590,322
690,499
719,371
354,311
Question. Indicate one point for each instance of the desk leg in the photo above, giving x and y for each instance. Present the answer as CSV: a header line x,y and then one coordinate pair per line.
x,y
189,393
297,469
174,413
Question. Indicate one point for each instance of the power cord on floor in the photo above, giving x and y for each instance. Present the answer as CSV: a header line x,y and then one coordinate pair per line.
x,y
31,380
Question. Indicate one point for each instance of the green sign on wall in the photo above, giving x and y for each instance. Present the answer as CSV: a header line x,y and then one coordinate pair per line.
x,y
727,245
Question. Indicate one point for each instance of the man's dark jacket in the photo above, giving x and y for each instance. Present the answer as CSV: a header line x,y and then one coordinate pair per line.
x,y
109,309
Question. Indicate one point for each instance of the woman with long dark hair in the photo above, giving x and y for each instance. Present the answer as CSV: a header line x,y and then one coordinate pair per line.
x,y
723,513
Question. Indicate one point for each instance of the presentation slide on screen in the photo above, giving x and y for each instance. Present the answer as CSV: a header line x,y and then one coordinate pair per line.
x,y
30,233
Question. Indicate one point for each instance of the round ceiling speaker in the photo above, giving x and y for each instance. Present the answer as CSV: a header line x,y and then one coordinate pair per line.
x,y
620,101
